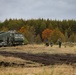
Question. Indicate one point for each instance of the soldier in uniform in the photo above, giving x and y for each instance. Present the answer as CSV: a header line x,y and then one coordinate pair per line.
x,y
47,43
59,43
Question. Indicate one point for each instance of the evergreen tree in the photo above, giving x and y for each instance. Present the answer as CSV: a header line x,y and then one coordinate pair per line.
x,y
38,39
72,38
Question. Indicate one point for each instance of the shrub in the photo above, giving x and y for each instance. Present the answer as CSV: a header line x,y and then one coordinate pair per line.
x,y
26,41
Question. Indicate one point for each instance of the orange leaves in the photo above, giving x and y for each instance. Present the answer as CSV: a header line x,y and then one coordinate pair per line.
x,y
53,35
22,29
46,34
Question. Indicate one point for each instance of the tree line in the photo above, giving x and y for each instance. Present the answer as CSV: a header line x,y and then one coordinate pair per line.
x,y
38,30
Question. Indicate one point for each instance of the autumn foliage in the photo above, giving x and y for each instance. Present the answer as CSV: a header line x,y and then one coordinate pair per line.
x,y
22,29
46,34
36,30
57,34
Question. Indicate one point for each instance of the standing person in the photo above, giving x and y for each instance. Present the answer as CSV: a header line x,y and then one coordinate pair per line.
x,y
59,43
51,43
47,42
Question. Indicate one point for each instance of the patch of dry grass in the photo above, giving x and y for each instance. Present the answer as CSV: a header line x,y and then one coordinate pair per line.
x,y
41,49
11,59
51,70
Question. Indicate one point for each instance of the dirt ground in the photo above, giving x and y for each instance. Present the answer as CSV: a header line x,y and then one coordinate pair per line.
x,y
40,54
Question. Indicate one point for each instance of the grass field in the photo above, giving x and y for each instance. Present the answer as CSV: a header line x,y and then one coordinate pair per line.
x,y
49,70
37,60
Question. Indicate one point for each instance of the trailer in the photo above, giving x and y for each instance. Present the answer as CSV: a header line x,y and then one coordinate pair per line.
x,y
11,38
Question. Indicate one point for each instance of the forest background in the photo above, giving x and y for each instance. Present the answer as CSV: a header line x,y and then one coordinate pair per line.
x,y
38,30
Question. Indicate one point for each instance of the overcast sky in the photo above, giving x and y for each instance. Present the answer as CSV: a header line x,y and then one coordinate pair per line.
x,y
34,9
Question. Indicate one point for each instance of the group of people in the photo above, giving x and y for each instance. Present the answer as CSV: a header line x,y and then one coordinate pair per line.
x,y
51,43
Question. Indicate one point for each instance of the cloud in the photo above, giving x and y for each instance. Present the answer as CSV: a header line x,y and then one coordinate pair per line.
x,y
27,9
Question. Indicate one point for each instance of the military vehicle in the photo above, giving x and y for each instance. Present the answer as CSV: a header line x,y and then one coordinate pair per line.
x,y
11,38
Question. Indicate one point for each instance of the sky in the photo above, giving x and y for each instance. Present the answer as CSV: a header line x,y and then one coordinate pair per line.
x,y
34,9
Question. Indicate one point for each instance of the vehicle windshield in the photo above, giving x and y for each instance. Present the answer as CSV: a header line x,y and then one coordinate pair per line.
x,y
18,35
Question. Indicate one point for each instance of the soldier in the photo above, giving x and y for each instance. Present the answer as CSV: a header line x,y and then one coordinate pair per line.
x,y
47,43
59,43
51,43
